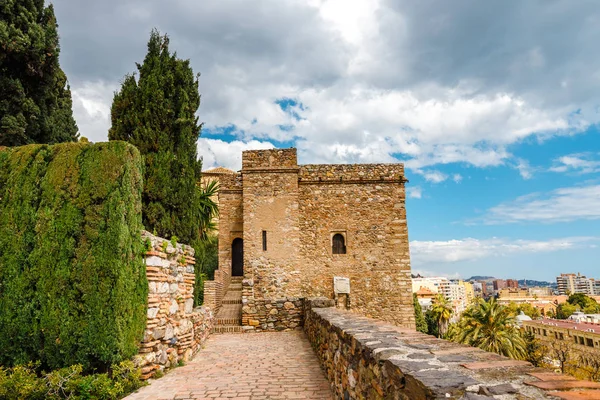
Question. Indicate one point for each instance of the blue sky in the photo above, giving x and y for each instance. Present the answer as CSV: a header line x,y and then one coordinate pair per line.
x,y
492,106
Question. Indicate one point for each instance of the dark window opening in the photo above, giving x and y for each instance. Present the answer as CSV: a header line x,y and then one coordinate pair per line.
x,y
264,238
589,342
339,245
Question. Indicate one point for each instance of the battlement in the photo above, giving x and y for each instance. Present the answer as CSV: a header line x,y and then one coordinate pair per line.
x,y
275,159
350,173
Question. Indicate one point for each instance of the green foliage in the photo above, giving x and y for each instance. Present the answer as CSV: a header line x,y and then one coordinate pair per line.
x,y
207,260
208,208
565,310
157,114
174,241
24,382
419,317
432,323
491,327
528,309
442,311
35,100
586,304
534,350
73,285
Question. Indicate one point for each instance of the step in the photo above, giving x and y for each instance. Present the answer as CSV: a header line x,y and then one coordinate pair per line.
x,y
228,321
227,329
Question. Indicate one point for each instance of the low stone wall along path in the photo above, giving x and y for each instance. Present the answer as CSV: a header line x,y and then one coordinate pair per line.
x,y
274,365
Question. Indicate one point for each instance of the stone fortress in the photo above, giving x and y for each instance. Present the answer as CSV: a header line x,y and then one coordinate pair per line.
x,y
287,230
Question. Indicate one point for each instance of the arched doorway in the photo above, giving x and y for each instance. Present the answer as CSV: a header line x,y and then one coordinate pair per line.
x,y
237,257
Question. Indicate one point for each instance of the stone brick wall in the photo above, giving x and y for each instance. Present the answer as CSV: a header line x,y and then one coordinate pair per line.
x,y
366,204
367,359
275,158
270,204
175,330
301,208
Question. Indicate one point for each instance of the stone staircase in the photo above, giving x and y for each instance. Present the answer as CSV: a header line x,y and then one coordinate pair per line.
x,y
229,317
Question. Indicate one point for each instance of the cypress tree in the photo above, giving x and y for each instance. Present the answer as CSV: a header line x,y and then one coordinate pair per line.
x,y
35,100
157,113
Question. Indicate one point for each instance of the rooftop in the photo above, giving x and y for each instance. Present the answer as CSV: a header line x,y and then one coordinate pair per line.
x,y
561,323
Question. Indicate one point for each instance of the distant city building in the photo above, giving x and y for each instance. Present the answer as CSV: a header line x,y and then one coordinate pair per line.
x,y
512,292
484,289
469,291
432,283
539,291
583,336
458,293
576,283
499,284
579,316
512,283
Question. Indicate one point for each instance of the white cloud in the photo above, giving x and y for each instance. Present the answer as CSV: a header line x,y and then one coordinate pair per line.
x,y
414,192
411,84
91,108
470,249
560,205
432,176
525,170
215,152
457,178
579,163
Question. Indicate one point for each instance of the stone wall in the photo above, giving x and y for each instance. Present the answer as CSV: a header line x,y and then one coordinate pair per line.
x,y
273,315
300,209
368,359
366,204
175,330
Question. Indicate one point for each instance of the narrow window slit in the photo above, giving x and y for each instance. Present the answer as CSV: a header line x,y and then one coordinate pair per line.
x,y
264,240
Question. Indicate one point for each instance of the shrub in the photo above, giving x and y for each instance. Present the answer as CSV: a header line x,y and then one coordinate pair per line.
x,y
73,285
22,382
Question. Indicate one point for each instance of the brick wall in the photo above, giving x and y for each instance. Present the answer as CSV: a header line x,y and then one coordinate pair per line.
x,y
175,330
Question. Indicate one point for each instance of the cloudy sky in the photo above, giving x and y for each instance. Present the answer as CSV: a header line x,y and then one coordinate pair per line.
x,y
492,106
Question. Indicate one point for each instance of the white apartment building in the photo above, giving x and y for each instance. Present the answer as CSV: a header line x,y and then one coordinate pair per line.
x,y
432,283
572,283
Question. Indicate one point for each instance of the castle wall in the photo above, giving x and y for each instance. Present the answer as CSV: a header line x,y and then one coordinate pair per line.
x,y
366,204
270,203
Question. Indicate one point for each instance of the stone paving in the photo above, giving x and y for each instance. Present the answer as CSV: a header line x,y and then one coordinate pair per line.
x,y
274,365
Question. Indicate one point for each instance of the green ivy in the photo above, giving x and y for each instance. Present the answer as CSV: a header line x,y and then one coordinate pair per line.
x,y
73,285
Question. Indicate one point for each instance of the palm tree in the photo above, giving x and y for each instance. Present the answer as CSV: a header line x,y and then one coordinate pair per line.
x,y
491,327
442,310
208,208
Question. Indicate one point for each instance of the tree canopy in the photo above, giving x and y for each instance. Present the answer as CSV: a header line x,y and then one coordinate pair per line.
x,y
491,327
35,100
157,113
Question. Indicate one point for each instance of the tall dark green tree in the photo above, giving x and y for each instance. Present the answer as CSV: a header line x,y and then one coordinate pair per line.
x,y
157,113
35,100
420,321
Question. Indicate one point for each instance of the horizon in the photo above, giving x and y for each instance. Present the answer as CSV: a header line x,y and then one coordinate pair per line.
x,y
490,107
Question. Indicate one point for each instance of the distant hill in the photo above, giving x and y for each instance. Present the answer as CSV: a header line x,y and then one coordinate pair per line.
x,y
531,282
480,278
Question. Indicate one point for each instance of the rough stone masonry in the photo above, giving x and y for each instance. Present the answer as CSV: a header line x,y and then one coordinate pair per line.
x,y
175,330
289,229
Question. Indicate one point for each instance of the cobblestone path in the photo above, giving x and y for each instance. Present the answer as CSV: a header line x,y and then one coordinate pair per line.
x,y
277,365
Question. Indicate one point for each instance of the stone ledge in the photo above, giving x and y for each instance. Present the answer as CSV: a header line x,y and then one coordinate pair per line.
x,y
365,358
